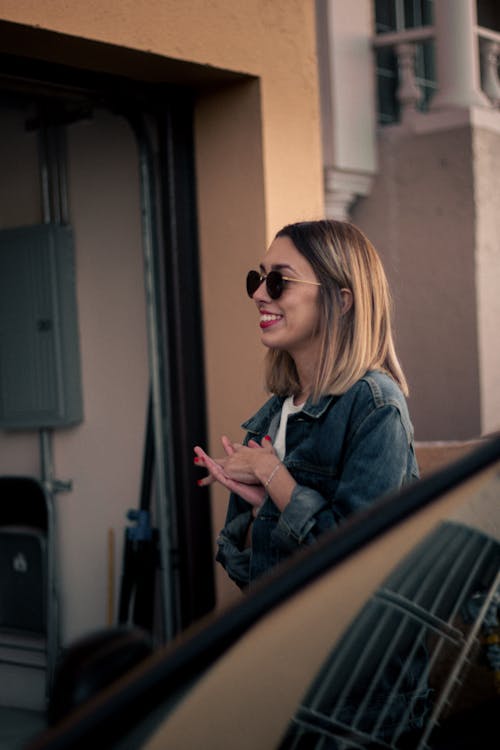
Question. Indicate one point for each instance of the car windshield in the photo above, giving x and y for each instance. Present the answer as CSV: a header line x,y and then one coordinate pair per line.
x,y
419,656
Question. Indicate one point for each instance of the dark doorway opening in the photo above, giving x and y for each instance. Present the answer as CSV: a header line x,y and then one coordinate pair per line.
x,y
161,112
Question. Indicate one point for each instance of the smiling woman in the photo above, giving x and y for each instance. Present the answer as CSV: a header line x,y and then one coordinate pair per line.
x,y
336,433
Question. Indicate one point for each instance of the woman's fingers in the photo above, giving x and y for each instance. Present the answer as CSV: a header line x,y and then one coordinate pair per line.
x,y
216,471
199,452
209,462
237,469
267,443
202,459
253,493
206,481
228,446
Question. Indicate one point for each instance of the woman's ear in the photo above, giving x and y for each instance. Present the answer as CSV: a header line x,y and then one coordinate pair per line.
x,y
346,300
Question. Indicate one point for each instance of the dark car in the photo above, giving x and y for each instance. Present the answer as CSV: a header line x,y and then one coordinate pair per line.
x,y
386,634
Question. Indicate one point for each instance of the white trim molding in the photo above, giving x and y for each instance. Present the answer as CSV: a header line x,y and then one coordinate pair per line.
x,y
347,91
342,189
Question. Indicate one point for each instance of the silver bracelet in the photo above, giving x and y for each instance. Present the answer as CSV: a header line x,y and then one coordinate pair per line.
x,y
271,475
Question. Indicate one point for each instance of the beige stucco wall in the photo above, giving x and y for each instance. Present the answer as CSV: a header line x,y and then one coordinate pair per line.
x,y
258,166
272,40
232,235
486,144
421,215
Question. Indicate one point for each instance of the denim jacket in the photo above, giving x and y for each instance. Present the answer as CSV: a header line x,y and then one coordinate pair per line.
x,y
343,452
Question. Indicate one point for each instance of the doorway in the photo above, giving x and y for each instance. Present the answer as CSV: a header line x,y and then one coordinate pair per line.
x,y
128,152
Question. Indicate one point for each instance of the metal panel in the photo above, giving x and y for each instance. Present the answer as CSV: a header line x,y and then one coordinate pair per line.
x,y
39,350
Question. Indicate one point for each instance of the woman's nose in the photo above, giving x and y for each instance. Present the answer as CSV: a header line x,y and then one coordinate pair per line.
x,y
260,294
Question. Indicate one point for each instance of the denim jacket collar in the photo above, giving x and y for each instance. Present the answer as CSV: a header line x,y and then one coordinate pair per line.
x,y
262,418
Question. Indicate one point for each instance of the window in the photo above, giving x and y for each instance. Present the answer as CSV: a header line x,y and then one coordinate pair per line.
x,y
396,16
488,14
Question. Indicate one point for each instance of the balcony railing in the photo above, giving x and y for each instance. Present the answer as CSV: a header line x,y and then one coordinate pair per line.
x,y
489,46
409,91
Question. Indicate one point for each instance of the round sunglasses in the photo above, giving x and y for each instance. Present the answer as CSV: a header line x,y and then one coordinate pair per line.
x,y
275,282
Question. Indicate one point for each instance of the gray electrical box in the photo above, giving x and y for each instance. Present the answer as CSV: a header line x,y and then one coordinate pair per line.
x,y
40,381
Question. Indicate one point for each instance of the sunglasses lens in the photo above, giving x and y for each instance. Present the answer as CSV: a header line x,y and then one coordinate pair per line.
x,y
253,282
274,284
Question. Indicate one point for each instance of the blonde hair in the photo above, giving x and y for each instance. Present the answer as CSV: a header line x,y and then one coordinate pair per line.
x,y
353,342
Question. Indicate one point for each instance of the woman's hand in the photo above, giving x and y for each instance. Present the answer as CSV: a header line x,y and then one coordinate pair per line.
x,y
252,493
248,470
243,463
247,463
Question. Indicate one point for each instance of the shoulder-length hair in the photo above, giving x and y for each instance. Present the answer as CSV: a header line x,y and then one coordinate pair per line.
x,y
352,343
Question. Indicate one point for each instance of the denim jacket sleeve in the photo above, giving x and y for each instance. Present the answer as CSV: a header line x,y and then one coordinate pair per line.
x,y
231,550
376,462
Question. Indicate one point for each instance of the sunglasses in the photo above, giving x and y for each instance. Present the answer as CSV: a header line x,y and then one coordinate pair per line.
x,y
275,282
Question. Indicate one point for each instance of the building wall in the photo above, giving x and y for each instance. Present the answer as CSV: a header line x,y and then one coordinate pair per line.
x,y
421,216
272,40
486,145
258,165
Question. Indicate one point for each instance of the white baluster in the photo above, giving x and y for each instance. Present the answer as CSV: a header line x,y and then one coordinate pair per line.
x,y
490,54
408,92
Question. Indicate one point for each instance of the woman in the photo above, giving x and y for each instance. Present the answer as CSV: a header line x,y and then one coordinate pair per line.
x,y
336,433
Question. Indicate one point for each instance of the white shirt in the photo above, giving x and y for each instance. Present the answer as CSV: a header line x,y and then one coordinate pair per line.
x,y
280,440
